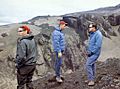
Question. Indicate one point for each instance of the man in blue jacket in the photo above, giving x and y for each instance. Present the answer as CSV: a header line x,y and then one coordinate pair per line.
x,y
58,42
93,52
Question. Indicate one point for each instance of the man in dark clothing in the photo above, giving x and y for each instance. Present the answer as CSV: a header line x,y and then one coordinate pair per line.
x,y
26,58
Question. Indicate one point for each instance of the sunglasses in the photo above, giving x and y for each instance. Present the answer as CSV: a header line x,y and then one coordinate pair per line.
x,y
90,27
20,30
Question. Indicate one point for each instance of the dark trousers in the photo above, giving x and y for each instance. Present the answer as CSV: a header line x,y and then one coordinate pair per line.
x,y
24,77
58,64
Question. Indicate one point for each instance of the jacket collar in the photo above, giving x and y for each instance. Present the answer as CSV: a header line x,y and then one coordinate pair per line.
x,y
91,33
58,28
29,37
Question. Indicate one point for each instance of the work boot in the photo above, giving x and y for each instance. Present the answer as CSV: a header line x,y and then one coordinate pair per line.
x,y
59,80
91,83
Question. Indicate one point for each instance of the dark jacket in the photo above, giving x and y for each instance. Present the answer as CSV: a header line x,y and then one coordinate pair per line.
x,y
58,40
26,51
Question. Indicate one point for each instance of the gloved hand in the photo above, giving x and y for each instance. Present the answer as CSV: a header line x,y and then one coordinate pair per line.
x,y
59,54
90,53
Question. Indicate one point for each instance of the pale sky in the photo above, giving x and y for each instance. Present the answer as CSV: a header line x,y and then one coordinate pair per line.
x,y
22,10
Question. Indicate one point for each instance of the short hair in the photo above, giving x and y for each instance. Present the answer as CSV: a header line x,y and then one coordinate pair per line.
x,y
26,28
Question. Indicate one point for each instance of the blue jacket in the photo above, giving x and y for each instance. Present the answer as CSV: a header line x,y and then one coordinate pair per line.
x,y
95,42
58,40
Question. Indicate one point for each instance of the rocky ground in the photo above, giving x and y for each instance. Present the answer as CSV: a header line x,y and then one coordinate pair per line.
x,y
107,77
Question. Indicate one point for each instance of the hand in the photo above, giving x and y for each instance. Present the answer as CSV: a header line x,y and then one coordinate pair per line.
x,y
63,52
89,53
59,54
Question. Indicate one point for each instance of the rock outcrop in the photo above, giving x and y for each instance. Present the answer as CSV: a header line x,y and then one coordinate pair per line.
x,y
114,20
81,22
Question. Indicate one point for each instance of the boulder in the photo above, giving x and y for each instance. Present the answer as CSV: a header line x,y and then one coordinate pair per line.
x,y
114,20
4,34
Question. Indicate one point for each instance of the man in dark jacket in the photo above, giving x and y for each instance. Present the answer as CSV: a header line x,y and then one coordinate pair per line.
x,y
26,58
93,52
58,42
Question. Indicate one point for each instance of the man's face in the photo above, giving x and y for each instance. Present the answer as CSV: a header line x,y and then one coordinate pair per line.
x,y
62,26
91,29
21,32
